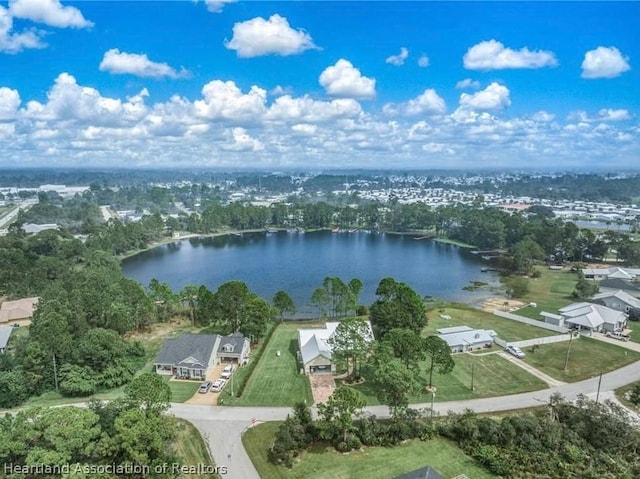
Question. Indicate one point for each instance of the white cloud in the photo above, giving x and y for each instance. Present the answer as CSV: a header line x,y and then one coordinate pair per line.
x,y
9,103
609,114
242,141
543,116
259,37
398,60
138,64
49,12
305,128
225,101
306,109
493,55
427,103
604,62
494,97
423,61
467,83
16,42
343,79
216,6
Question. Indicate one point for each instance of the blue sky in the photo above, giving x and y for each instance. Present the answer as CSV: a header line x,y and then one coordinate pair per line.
x,y
311,85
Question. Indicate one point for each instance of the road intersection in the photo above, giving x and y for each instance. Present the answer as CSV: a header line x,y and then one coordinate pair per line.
x,y
222,426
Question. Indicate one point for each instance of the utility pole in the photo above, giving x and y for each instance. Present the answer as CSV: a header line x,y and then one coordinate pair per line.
x,y
55,371
566,359
599,384
472,365
232,374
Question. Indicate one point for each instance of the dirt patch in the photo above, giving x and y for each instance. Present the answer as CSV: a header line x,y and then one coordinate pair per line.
x,y
322,386
502,304
158,330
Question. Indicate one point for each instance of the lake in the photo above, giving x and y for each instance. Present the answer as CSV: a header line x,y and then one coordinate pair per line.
x,y
298,262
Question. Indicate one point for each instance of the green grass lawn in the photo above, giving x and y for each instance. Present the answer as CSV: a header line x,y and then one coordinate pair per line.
x,y
190,446
492,376
461,244
621,394
505,328
551,291
276,380
323,462
587,358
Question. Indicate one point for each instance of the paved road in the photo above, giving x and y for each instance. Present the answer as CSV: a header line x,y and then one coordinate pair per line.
x,y
222,426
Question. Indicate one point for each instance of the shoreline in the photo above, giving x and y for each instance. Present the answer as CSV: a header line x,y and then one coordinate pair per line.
x,y
165,241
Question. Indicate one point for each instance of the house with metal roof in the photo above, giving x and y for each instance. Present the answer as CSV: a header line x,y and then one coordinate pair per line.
x,y
190,356
315,348
592,317
465,338
611,273
616,284
5,333
618,300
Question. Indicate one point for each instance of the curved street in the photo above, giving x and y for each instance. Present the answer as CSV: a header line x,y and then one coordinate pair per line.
x,y
222,426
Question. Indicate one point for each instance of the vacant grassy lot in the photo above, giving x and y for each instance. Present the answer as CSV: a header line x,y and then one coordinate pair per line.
x,y
276,380
506,329
190,446
587,358
551,291
492,376
323,462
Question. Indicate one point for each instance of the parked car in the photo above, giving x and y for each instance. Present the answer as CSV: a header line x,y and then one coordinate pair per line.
x,y
217,386
617,335
516,351
204,387
227,372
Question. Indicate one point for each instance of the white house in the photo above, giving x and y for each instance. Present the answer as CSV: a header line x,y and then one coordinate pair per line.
x,y
618,300
465,338
588,317
599,274
315,348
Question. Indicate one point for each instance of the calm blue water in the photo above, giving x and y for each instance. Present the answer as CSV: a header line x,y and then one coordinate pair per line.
x,y
297,263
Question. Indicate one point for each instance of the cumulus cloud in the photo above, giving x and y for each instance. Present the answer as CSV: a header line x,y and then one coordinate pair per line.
x,y
467,83
138,64
9,103
604,62
240,140
494,97
609,114
11,42
345,80
216,6
493,55
398,60
423,61
225,101
309,110
258,37
231,127
543,116
49,12
427,103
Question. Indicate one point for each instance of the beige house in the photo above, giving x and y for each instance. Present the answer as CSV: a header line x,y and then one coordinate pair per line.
x,y
20,309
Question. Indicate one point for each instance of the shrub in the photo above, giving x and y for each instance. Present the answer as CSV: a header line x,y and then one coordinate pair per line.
x,y
77,381
14,392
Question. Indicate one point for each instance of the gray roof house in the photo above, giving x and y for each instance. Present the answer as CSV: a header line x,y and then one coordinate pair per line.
x,y
611,273
190,356
315,349
618,300
593,317
615,284
5,333
426,472
465,338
